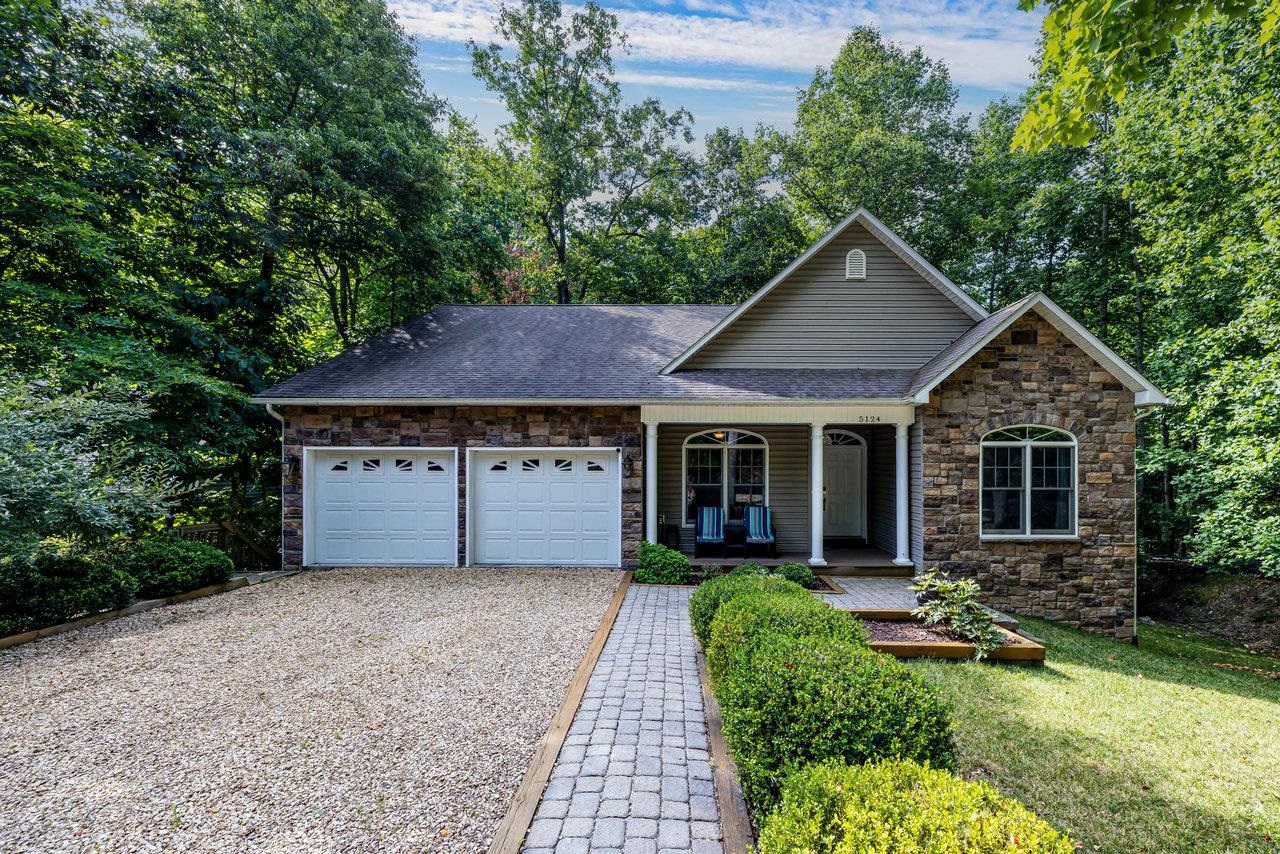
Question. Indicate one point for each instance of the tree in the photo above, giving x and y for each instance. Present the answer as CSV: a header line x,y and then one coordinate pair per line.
x,y
1094,50
592,164
878,129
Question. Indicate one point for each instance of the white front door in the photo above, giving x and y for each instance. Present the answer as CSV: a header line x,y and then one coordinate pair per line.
x,y
370,507
844,460
545,507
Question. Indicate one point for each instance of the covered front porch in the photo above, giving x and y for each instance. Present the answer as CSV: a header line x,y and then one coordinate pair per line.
x,y
850,463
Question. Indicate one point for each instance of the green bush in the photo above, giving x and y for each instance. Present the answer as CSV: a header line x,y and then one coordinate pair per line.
x,y
748,570
56,581
955,604
164,565
806,700
797,572
661,565
903,808
741,623
710,595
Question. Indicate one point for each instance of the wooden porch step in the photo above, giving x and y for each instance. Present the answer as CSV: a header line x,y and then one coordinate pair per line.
x,y
853,570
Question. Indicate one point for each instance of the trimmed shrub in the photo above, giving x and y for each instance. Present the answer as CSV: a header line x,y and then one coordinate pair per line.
x,y
54,582
748,570
899,807
164,566
661,565
742,622
797,572
710,595
806,700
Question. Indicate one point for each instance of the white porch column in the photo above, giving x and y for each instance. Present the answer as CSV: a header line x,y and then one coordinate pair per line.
x,y
902,493
651,481
815,498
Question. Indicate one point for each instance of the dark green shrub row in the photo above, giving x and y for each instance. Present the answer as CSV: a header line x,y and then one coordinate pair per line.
x,y
747,619
900,807
658,564
56,580
797,572
795,701
710,595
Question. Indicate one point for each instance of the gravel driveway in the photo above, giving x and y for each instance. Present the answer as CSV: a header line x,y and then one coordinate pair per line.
x,y
348,710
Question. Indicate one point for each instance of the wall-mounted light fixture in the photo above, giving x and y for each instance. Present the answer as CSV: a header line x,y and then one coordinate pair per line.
x,y
291,465
629,466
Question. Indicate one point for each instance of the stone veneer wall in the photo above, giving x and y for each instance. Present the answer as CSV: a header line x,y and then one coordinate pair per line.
x,y
1033,374
464,427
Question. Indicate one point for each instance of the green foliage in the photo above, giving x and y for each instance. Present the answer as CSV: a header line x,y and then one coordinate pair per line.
x,y
659,564
809,700
712,594
55,581
164,565
900,806
956,605
797,572
748,569
1094,50
743,621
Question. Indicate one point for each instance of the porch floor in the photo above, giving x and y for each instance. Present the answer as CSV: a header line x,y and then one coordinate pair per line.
x,y
842,560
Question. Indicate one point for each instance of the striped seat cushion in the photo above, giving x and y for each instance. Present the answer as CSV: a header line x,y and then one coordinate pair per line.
x,y
758,524
710,527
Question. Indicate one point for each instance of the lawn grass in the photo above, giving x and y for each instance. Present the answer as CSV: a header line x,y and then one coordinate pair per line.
x,y
1128,748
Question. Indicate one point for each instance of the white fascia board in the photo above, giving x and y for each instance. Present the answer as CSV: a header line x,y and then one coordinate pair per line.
x,y
553,401
878,230
1145,393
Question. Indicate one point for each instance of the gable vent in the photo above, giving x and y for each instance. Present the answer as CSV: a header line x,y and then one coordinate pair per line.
x,y
855,264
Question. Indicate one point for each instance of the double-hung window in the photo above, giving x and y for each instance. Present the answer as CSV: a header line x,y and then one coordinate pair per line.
x,y
1028,483
726,469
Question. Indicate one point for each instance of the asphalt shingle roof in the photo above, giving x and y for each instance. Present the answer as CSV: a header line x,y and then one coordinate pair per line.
x,y
559,352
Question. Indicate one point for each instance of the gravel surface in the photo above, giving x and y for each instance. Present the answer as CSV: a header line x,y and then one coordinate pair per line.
x,y
340,710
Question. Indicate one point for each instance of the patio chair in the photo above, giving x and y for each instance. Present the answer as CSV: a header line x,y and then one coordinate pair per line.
x,y
757,523
708,532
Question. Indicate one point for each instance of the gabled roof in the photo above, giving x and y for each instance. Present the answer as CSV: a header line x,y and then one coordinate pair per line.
x,y
964,348
878,230
536,354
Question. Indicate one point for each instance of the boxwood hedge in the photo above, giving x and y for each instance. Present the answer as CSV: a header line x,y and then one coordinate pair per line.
x,y
710,595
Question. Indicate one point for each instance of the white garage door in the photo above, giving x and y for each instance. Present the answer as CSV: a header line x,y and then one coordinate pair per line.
x,y
548,508
383,508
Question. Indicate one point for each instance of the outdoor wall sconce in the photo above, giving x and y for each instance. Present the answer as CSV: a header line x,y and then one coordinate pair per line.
x,y
629,466
291,465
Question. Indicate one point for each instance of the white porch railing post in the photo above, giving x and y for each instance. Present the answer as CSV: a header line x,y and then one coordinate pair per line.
x,y
815,498
902,495
651,481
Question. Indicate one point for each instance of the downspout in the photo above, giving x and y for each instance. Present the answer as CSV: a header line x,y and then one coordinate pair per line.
x,y
1138,415
270,410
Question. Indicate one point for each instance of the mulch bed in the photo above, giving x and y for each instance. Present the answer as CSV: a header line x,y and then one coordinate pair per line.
x,y
905,631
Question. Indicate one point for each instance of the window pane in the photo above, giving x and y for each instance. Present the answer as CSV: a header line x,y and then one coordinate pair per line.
x,y
746,486
1051,467
1002,511
703,480
1002,468
1051,511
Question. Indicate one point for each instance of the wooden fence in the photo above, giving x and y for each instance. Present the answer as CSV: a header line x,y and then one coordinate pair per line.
x,y
247,555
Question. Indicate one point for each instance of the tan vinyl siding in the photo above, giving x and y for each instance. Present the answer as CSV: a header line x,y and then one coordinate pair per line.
x,y
818,319
788,478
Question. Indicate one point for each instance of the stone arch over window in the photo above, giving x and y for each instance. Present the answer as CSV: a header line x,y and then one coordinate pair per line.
x,y
1028,483
726,468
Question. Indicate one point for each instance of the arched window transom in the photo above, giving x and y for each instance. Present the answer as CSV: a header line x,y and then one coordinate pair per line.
x,y
1028,483
725,468
855,264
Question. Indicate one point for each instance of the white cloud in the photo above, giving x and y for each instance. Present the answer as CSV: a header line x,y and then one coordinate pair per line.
x,y
986,43
687,81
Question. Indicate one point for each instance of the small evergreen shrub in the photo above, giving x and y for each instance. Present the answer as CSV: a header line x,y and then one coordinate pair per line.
x,y
661,565
165,566
805,700
955,605
710,595
749,570
742,622
55,581
900,807
797,572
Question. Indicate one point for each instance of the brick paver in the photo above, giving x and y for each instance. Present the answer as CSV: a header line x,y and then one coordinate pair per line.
x,y
634,774
878,593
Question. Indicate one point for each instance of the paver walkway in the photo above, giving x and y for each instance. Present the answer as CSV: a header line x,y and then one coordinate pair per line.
x,y
634,774
880,593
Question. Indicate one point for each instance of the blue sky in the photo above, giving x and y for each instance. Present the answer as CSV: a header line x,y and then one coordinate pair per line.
x,y
737,62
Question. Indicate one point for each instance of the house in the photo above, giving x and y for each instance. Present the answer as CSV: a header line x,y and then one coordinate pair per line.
x,y
885,417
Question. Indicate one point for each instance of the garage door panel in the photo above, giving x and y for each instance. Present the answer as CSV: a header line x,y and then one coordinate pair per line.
x,y
383,508
545,508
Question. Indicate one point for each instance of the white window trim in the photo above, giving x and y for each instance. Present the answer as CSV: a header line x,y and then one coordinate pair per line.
x,y
1027,444
309,453
724,468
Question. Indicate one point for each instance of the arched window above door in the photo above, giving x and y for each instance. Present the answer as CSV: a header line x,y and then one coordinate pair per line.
x,y
725,468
